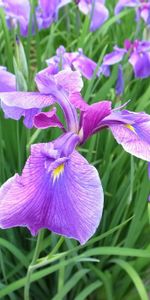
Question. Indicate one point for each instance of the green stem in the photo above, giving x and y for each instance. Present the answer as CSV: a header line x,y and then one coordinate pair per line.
x,y
8,44
56,248
19,147
30,268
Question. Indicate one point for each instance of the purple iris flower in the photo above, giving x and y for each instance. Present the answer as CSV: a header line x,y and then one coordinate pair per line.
x,y
138,56
96,10
142,8
47,11
67,197
71,60
17,12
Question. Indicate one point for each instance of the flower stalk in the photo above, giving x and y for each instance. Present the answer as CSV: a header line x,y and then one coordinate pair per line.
x,y
33,262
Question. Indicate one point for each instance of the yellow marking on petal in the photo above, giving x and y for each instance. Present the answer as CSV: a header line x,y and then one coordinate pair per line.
x,y
58,171
130,127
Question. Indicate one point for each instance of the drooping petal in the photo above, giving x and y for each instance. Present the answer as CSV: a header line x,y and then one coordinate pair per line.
x,y
26,104
132,131
84,65
16,113
92,117
141,64
66,198
47,119
26,100
7,81
114,57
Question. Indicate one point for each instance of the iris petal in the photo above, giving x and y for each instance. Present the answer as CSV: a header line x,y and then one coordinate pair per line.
x,y
71,205
26,104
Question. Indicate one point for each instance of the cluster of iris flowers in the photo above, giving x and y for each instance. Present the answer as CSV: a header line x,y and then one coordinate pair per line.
x,y
58,189
46,12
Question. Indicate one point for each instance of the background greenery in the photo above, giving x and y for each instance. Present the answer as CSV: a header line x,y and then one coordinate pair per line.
x,y
114,264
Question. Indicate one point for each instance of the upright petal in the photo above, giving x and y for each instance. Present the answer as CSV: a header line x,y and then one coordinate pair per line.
x,y
120,81
83,6
99,15
69,81
144,11
62,86
92,117
19,11
66,198
141,64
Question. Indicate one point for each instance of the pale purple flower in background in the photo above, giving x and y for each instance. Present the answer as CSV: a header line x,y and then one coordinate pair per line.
x,y
17,13
71,60
138,56
142,8
96,10
67,197
47,12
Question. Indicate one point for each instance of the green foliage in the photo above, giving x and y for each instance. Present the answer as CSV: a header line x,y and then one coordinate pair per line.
x,y
114,264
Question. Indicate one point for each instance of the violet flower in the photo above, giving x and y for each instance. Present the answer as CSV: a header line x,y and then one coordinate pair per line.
x,y
138,56
47,12
142,8
71,60
96,10
17,12
67,197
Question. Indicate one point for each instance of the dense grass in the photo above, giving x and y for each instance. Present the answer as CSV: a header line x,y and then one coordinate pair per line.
x,y
114,264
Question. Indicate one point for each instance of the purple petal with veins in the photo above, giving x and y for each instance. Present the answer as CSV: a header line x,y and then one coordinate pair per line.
x,y
26,104
132,131
67,197
47,119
